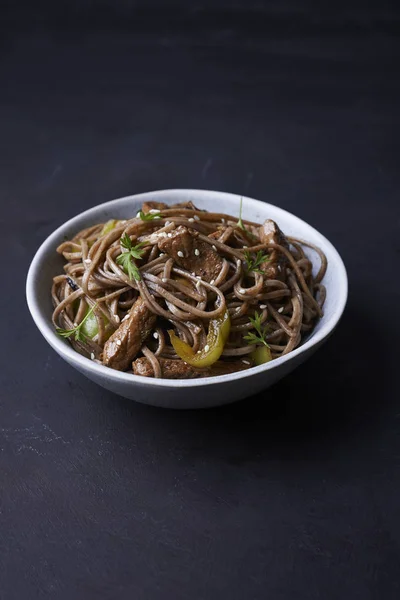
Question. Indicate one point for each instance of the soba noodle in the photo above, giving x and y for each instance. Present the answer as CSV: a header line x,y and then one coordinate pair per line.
x,y
279,292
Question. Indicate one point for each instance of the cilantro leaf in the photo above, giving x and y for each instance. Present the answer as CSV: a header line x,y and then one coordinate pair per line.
x,y
126,242
125,260
261,331
254,264
76,331
150,216
137,251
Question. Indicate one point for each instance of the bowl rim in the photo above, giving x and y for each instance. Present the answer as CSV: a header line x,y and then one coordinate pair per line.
x,y
79,361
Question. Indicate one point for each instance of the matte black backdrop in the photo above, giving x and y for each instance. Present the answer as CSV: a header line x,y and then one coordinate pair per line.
x,y
288,102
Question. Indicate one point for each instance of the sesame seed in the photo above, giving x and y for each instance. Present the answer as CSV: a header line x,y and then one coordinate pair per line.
x,y
212,281
214,248
162,254
263,306
196,217
92,355
180,254
198,277
167,223
206,348
281,309
164,279
75,324
138,215
198,284
125,317
245,247
191,220
88,260
197,252
155,335
223,221
154,211
119,343
246,362
169,234
116,318
198,351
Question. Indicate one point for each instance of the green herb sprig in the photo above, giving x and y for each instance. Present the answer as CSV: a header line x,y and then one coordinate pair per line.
x,y
125,260
148,216
254,263
261,331
240,221
76,331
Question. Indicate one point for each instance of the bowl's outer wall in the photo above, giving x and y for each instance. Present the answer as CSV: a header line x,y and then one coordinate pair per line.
x,y
48,263
222,393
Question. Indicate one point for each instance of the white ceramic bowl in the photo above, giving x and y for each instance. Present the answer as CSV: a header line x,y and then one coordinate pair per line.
x,y
194,393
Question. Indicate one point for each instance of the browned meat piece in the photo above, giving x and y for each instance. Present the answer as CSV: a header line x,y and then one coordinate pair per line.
x,y
177,369
122,347
188,205
191,253
215,235
148,206
269,233
223,234
152,205
171,369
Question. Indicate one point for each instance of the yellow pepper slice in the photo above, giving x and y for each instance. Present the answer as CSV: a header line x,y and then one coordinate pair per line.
x,y
218,332
109,226
261,355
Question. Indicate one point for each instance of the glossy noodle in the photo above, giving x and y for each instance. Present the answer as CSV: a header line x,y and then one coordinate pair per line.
x,y
178,292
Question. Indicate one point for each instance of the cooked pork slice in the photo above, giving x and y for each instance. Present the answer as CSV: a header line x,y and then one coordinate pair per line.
x,y
269,232
177,369
124,344
191,253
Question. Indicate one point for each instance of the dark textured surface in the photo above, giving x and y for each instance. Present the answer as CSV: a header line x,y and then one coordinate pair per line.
x,y
102,498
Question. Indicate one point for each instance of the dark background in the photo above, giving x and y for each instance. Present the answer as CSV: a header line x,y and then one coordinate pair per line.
x,y
288,496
